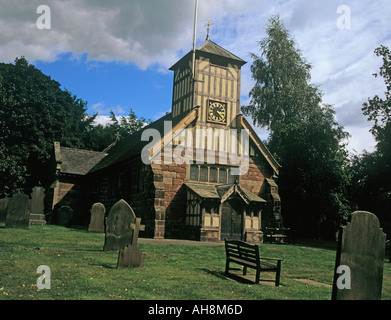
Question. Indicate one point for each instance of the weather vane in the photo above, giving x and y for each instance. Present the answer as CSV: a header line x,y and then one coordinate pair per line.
x,y
208,27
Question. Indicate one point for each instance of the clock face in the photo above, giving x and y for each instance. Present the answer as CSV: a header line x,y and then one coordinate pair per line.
x,y
217,112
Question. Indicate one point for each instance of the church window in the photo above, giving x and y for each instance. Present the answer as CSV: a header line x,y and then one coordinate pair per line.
x,y
203,173
213,174
223,175
194,172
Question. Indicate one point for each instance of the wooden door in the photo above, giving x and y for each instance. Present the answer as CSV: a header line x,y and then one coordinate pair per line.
x,y
231,220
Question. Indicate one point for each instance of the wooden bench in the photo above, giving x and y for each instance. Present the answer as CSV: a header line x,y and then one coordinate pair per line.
x,y
247,255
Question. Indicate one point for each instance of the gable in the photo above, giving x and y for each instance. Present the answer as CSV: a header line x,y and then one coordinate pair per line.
x,y
260,145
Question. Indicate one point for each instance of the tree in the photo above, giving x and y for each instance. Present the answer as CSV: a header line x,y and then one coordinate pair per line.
x,y
378,109
34,112
303,135
100,136
125,126
371,171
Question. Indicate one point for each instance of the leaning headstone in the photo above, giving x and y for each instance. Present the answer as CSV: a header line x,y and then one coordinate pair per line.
x,y
360,257
132,256
18,214
64,216
37,206
118,233
97,220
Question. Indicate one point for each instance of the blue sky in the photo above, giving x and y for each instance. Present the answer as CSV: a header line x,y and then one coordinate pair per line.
x,y
115,86
116,54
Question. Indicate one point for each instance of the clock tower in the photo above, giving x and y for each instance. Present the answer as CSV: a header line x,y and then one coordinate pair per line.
x,y
215,86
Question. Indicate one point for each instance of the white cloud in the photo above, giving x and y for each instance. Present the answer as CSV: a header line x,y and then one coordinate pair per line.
x,y
102,119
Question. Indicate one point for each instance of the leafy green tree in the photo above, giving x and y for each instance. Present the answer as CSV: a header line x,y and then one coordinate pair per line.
x,y
371,171
34,112
125,126
379,109
101,136
303,135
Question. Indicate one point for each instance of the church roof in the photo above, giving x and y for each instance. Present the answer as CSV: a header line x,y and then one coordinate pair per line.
x,y
205,191
209,47
77,161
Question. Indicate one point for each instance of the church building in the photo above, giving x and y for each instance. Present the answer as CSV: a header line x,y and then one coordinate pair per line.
x,y
199,172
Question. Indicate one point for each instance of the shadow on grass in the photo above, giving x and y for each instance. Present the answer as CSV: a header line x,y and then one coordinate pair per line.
x,y
247,279
319,244
110,266
230,276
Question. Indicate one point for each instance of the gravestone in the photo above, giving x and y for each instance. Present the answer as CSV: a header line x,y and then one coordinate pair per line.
x,y
37,200
18,215
360,254
64,216
132,256
118,233
97,220
37,206
3,208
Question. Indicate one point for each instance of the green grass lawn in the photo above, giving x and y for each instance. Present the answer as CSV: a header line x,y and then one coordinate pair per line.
x,y
80,269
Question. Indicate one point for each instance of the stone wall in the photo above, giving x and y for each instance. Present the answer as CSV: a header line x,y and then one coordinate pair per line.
x,y
170,199
253,180
61,189
131,181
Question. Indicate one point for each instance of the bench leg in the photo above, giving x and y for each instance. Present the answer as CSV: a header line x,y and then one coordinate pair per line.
x,y
227,267
278,272
244,270
257,276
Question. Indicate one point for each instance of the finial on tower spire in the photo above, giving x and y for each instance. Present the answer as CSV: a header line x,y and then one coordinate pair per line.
x,y
208,27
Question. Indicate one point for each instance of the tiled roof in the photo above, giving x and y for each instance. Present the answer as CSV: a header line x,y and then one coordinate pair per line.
x,y
208,47
203,190
208,191
79,162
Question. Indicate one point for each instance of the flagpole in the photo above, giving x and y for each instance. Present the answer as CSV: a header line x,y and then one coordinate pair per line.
x,y
194,37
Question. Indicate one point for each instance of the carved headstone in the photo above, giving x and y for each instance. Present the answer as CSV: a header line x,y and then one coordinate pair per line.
x,y
64,216
18,215
97,220
360,259
118,233
132,256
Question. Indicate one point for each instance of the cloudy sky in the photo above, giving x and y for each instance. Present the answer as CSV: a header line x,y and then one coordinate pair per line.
x,y
116,54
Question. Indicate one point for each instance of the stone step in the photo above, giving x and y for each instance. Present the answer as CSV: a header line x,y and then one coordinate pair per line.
x,y
40,222
37,218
